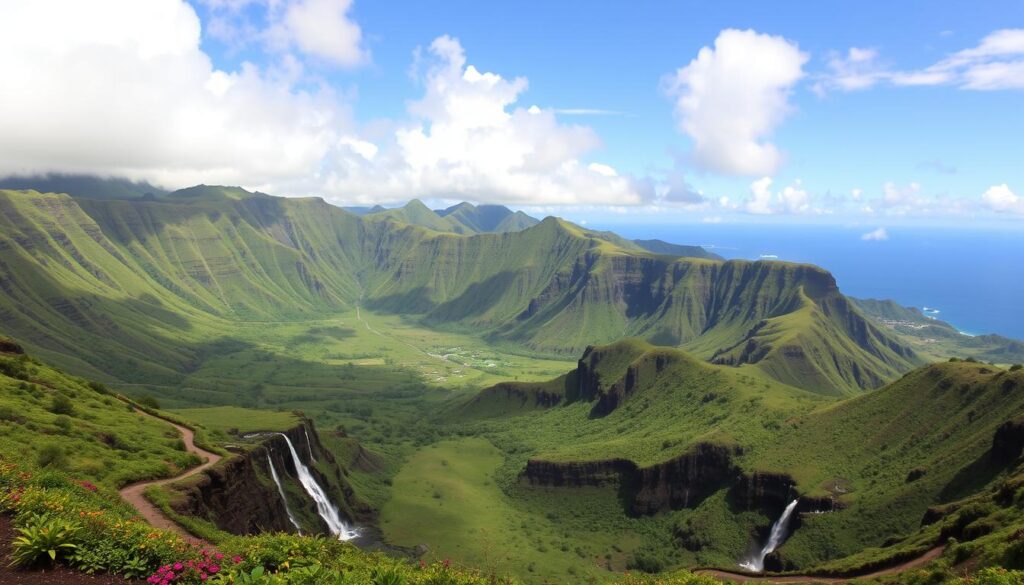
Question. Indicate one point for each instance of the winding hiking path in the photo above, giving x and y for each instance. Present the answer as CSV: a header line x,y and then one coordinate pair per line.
x,y
927,557
133,493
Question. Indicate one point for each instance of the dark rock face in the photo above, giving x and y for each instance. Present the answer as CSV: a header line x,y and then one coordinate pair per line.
x,y
233,497
761,490
684,481
681,482
578,474
238,497
1008,442
534,397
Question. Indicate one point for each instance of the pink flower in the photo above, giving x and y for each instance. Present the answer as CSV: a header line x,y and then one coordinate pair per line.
x,y
213,568
178,566
202,576
218,556
236,559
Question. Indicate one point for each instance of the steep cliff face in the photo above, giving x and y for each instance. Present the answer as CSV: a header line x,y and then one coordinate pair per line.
x,y
680,482
240,497
774,491
234,496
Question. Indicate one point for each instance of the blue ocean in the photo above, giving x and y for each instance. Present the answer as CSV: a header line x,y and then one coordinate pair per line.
x,y
971,278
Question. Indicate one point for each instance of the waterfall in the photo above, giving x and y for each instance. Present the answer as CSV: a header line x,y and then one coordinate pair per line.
x,y
324,507
280,490
309,444
775,538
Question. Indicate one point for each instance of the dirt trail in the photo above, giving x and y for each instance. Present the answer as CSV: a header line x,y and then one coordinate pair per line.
x,y
132,493
924,559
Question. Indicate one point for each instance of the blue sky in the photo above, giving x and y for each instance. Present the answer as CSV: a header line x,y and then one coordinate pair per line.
x,y
798,112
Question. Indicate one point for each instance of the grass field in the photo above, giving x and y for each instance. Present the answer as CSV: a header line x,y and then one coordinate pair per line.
x,y
244,420
446,497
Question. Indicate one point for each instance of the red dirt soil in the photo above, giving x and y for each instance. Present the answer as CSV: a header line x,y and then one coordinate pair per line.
x,y
132,493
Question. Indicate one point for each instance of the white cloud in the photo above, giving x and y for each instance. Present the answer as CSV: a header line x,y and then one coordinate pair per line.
x,y
878,235
712,219
324,29
730,98
467,138
857,69
1001,198
996,63
791,199
135,96
856,193
761,193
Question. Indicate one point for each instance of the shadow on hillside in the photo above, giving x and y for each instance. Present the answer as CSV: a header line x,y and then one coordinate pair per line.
x,y
971,479
478,298
415,301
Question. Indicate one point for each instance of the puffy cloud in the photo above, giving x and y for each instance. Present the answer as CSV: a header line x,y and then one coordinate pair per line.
x,y
997,62
792,199
878,235
730,98
468,139
1001,198
322,28
135,96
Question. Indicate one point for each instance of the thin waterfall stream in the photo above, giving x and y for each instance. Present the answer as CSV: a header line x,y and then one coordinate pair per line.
x,y
309,444
776,537
284,499
325,508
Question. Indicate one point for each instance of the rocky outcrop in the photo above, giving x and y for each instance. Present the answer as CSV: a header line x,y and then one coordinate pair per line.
x,y
681,482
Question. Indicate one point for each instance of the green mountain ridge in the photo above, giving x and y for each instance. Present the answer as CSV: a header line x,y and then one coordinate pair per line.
x,y
134,279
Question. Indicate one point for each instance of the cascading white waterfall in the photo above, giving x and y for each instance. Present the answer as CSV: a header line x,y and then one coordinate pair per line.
x,y
775,539
309,444
324,507
280,490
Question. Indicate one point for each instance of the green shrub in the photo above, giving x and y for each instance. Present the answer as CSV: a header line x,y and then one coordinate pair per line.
x,y
52,456
388,576
1016,367
63,423
62,405
42,540
149,401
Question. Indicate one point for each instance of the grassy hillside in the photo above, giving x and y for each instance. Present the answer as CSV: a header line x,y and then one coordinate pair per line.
x,y
64,423
885,458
